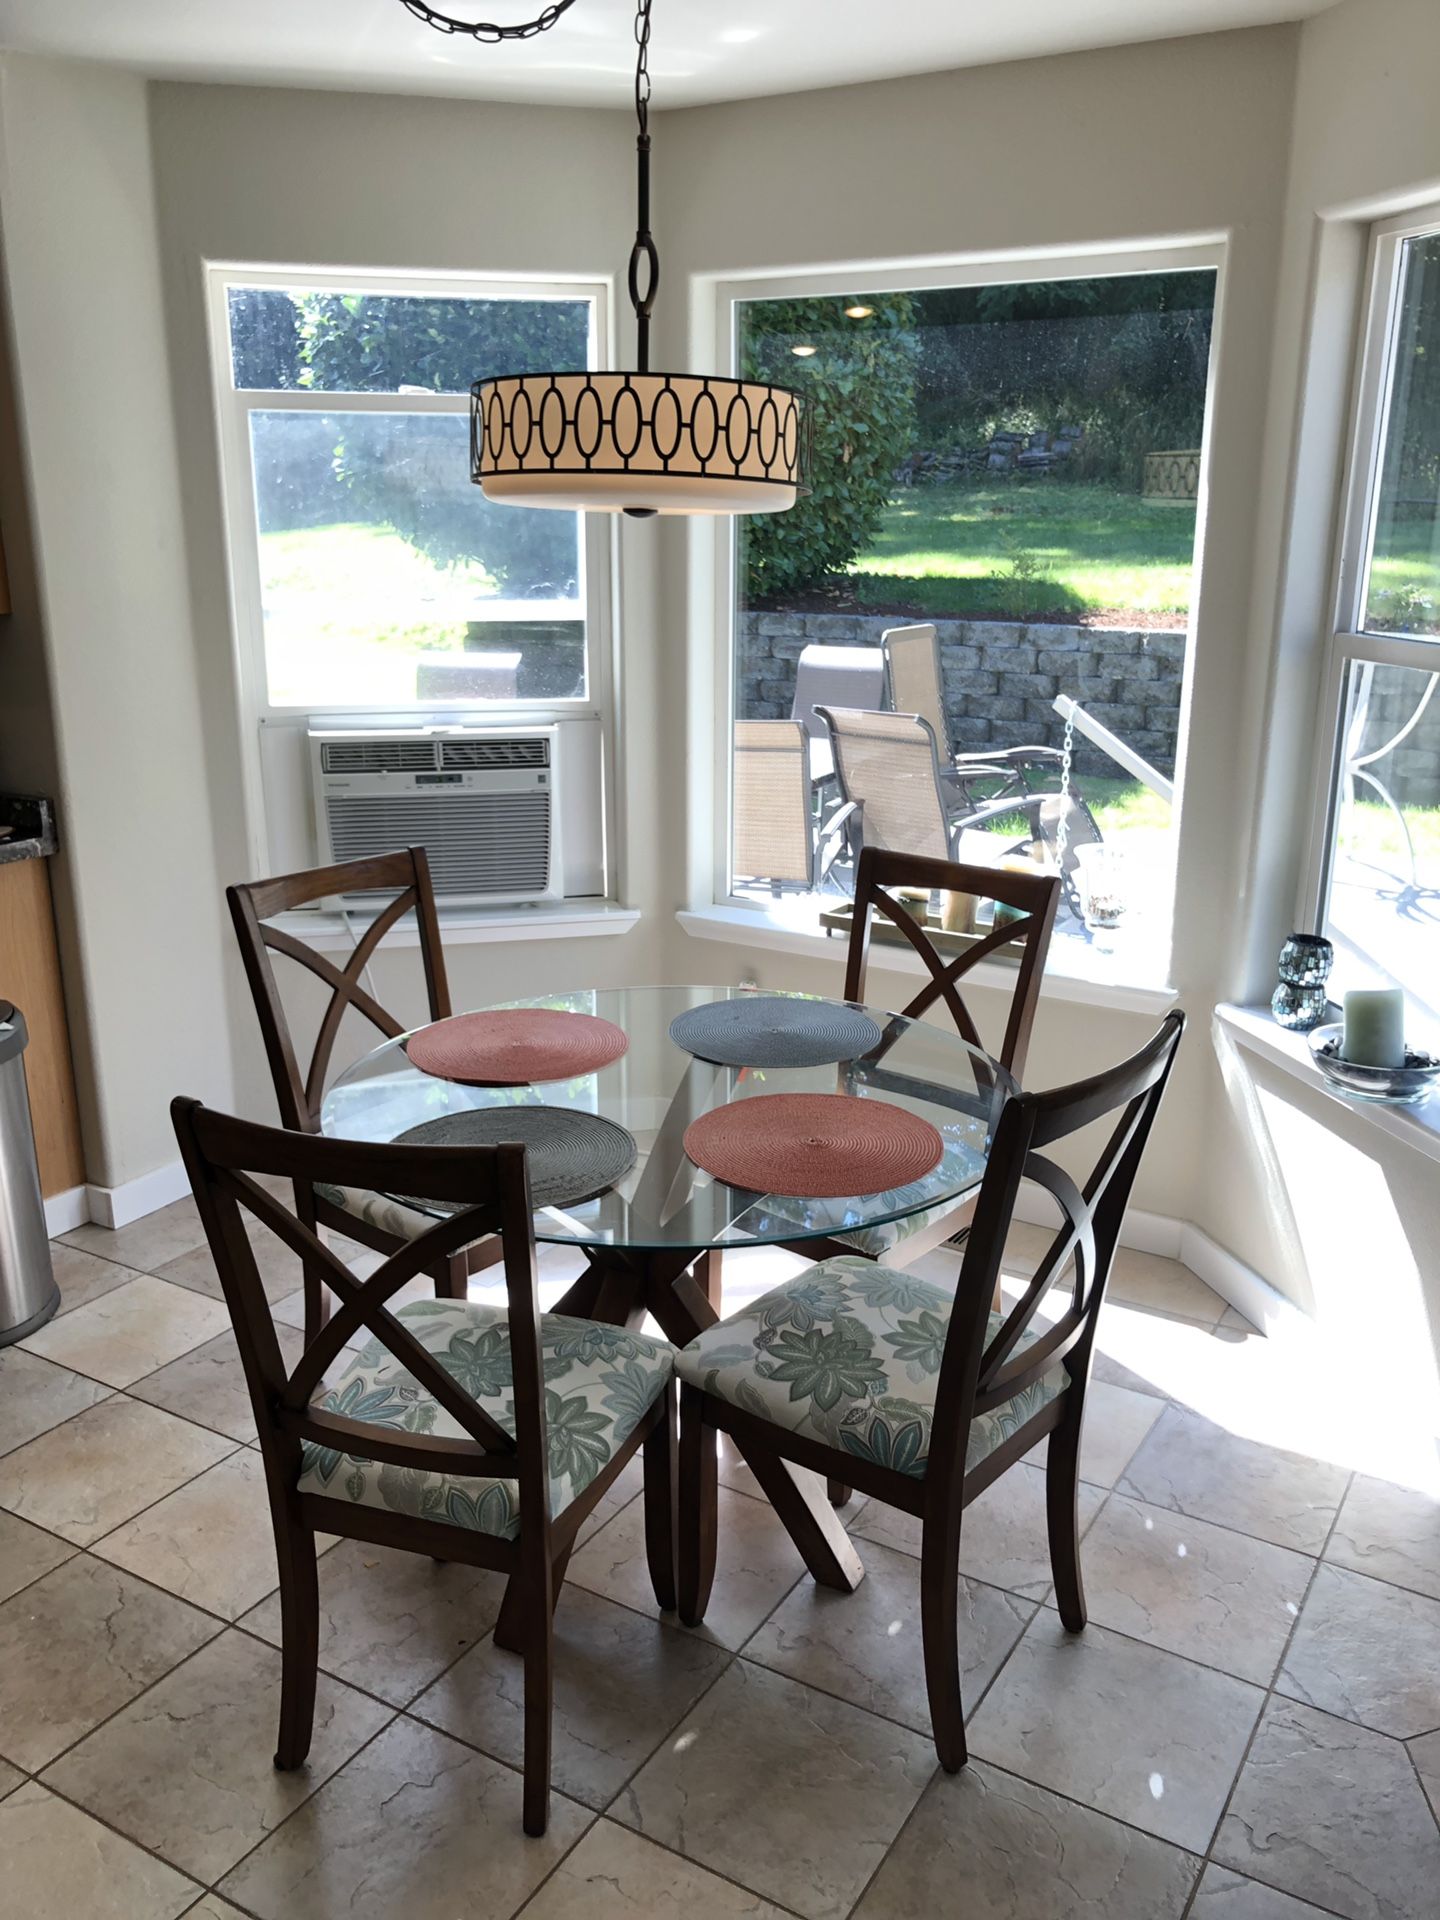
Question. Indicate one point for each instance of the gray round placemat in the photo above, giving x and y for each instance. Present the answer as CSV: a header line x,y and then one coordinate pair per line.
x,y
572,1156
772,1031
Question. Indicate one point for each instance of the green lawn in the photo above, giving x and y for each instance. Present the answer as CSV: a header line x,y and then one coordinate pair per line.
x,y
1010,550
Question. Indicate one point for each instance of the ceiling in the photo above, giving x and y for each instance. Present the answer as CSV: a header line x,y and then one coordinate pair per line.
x,y
703,50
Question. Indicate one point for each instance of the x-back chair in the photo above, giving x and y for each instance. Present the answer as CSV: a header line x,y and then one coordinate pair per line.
x,y
922,1399
370,1217
458,1430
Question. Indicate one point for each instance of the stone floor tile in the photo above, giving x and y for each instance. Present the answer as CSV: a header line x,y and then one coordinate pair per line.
x,y
280,1270
629,1482
756,1566
84,1478
76,1646
210,1541
1368,1652
208,1385
622,1682
793,1794
1390,1533
617,1875
145,1244
60,1864
83,1276
1225,1895
187,1769
131,1331
1214,1595
10,1778
36,1395
1194,1467
392,1622
988,1846
212,1907
416,1825
1333,1813
1148,1280
1121,1727
1117,1419
865,1646
1425,1753
1002,1536
1106,1370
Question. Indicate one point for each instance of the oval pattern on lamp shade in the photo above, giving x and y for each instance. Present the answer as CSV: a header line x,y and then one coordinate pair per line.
x,y
814,1146
515,1046
662,442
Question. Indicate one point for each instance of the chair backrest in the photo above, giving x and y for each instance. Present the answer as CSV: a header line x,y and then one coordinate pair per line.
x,y
979,1372
774,835
912,678
225,1158
836,677
1034,897
885,764
406,873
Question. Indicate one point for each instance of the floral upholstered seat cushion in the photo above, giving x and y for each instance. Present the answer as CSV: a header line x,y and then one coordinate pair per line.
x,y
599,1384
377,1210
848,1353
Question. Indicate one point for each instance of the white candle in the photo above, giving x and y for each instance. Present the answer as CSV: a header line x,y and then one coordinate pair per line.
x,y
1375,1028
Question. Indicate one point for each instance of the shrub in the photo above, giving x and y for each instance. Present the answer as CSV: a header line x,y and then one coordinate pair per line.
x,y
860,386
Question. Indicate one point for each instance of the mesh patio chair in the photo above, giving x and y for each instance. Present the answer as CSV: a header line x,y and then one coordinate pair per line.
x,y
922,1397
833,677
776,836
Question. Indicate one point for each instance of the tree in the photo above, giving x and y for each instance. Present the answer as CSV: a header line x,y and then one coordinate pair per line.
x,y
859,385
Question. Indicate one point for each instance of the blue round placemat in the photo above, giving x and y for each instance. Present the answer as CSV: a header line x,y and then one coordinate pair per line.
x,y
773,1031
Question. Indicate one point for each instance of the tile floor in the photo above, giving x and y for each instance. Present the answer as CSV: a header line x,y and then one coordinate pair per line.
x,y
1248,1730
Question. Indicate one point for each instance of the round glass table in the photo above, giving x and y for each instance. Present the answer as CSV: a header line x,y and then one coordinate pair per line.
x,y
656,1089
653,1242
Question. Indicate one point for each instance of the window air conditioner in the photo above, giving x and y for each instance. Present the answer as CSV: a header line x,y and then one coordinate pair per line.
x,y
483,802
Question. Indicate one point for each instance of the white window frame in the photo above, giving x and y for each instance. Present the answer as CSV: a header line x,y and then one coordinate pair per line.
x,y
988,270
1348,641
233,406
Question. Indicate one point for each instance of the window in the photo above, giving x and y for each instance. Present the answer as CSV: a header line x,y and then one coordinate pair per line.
x,y
369,572
1018,466
1375,885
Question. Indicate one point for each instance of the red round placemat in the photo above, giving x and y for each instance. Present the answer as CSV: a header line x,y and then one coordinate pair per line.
x,y
515,1046
814,1146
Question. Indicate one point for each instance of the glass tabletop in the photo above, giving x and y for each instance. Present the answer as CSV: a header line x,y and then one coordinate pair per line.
x,y
656,1089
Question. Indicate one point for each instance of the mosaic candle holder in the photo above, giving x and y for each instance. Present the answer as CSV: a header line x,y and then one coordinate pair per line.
x,y
1301,1001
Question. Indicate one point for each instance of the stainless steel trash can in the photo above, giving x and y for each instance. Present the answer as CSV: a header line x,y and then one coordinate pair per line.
x,y
28,1293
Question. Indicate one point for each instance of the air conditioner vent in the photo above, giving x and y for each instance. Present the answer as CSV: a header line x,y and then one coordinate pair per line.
x,y
499,751
479,844
377,756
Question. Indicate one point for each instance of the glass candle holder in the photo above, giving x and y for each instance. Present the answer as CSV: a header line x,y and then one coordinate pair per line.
x,y
1301,1001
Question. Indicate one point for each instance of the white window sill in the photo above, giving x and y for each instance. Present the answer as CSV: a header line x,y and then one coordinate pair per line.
x,y
469,926
749,927
1253,1029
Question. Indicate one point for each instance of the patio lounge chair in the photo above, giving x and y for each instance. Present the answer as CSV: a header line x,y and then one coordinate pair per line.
x,y
834,677
776,837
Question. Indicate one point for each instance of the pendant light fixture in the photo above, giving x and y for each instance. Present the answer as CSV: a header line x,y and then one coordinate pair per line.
x,y
640,442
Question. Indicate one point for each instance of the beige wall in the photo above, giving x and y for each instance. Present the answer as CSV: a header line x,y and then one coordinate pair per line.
x,y
1178,140
1366,143
140,922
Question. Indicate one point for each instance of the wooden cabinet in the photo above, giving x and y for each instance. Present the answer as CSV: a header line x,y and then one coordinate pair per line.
x,y
30,976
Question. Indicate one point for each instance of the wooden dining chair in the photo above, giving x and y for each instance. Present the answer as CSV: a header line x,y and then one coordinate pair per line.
x,y
462,1431
922,1398
374,1219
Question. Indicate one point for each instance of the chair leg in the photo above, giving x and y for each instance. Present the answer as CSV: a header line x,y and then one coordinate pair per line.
x,y
939,1632
840,1494
1062,1494
699,1481
299,1642
660,1484
539,1652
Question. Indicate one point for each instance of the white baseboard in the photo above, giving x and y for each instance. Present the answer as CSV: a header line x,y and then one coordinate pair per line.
x,y
118,1206
66,1211
1147,1232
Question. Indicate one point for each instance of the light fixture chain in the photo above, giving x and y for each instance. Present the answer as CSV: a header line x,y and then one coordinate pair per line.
x,y
644,257
487,30
642,65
